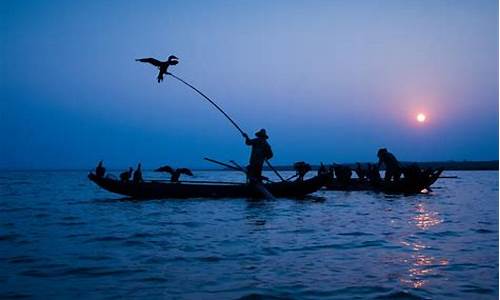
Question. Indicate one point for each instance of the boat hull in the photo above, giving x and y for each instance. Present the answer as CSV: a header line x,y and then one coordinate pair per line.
x,y
403,186
183,190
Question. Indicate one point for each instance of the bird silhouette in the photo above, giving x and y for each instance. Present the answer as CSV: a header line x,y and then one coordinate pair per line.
x,y
100,170
301,168
175,174
125,176
161,65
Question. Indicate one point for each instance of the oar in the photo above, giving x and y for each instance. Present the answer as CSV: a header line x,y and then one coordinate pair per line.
x,y
223,164
258,185
238,166
274,170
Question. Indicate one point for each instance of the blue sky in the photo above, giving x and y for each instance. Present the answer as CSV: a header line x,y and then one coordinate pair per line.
x,y
329,80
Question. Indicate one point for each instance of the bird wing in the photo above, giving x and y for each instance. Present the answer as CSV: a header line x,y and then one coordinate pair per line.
x,y
167,169
150,60
185,171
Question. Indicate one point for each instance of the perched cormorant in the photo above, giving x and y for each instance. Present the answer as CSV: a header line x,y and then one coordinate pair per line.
x,y
138,174
100,170
175,174
125,176
301,168
162,65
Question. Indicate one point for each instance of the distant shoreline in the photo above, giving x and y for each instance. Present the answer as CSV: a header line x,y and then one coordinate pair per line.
x,y
451,165
483,165
486,165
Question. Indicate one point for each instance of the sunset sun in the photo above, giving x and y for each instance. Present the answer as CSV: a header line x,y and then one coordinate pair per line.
x,y
421,118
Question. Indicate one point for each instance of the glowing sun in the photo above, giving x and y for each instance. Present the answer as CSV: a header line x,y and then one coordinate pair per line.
x,y
421,118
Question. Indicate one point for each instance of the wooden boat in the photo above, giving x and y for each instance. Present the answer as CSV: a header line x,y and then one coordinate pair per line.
x,y
156,189
403,186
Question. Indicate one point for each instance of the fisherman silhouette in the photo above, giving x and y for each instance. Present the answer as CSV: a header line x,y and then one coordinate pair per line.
x,y
162,65
392,167
100,170
125,176
175,174
138,174
261,151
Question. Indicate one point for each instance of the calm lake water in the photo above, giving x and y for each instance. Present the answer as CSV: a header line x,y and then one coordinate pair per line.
x,y
63,237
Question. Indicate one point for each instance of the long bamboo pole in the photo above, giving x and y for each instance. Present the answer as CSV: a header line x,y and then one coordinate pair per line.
x,y
225,114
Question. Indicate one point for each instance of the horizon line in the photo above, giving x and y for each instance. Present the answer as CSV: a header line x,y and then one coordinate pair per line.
x,y
496,161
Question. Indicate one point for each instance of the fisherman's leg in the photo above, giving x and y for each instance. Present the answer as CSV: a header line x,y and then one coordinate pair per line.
x,y
250,173
258,172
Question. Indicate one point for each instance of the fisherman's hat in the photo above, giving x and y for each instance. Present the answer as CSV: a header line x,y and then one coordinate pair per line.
x,y
261,133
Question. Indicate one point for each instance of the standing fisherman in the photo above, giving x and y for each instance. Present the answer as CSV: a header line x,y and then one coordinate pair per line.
x,y
261,151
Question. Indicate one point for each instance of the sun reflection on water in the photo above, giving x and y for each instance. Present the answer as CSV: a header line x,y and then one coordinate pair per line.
x,y
415,246
426,219
420,265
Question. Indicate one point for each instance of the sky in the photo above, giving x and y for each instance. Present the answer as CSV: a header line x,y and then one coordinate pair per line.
x,y
330,81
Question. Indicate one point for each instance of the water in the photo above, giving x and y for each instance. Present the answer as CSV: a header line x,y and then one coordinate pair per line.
x,y
62,237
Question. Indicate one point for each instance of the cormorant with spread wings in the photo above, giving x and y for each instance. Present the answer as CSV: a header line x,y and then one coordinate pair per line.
x,y
162,65
175,173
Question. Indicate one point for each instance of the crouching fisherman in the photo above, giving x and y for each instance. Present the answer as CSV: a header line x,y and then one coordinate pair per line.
x,y
261,151
392,167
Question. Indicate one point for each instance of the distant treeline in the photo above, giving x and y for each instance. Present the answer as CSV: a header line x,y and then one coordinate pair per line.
x,y
447,165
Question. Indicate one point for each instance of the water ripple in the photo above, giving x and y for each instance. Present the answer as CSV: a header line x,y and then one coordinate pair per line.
x,y
64,238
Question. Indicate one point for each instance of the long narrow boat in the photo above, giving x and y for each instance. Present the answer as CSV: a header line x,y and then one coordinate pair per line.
x,y
403,186
156,189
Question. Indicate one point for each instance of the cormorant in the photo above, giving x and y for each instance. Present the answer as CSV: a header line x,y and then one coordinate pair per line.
x,y
138,174
100,170
162,65
301,168
175,174
125,176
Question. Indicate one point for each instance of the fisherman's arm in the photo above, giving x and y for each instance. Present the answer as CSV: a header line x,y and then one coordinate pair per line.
x,y
248,141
